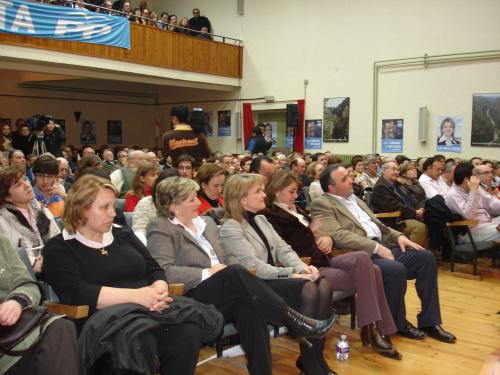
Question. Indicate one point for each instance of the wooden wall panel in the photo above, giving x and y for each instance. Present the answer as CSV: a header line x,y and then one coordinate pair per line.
x,y
154,47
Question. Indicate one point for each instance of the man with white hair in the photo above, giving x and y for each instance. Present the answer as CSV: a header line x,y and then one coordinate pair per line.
x,y
64,178
489,195
122,178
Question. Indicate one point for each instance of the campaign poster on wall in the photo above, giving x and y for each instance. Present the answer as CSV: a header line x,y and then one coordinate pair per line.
x,y
289,135
485,129
336,119
271,133
114,132
313,132
449,133
87,132
224,123
207,123
392,135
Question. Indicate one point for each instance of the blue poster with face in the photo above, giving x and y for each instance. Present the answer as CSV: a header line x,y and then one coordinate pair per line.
x,y
313,133
392,135
449,133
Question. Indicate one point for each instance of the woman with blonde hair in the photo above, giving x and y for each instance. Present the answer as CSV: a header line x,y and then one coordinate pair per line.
x,y
256,245
188,248
142,185
313,171
108,268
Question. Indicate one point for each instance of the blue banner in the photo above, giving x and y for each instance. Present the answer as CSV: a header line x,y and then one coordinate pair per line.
x,y
58,22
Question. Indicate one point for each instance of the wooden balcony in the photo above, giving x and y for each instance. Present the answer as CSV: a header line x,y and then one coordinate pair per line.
x,y
153,47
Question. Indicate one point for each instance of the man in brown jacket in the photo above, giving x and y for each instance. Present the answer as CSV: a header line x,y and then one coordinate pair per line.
x,y
351,224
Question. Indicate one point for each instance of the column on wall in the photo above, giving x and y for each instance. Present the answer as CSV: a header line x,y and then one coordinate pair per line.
x,y
248,123
298,141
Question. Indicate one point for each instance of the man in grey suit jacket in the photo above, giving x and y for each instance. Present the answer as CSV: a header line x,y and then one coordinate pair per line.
x,y
351,224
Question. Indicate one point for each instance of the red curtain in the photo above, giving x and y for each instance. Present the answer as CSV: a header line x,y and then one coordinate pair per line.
x,y
298,141
248,123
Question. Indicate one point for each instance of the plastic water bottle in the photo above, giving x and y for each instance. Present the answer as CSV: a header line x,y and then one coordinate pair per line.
x,y
342,348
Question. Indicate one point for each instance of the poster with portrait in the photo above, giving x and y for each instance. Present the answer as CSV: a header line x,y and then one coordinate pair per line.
x,y
207,123
312,137
289,135
392,135
224,123
87,132
485,129
336,119
61,122
271,133
114,132
449,133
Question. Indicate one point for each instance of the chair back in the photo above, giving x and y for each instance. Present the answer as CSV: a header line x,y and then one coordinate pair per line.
x,y
129,218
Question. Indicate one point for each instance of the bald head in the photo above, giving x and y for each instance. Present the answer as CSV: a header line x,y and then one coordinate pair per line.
x,y
299,166
136,158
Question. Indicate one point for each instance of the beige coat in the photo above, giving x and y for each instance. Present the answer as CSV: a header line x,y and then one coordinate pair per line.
x,y
338,222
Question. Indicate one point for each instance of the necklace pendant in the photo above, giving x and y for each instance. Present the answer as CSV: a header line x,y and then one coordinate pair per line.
x,y
103,251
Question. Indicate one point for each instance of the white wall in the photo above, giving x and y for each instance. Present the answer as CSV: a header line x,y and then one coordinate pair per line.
x,y
334,43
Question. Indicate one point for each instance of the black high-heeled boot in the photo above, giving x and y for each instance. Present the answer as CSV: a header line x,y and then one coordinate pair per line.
x,y
303,326
308,362
319,347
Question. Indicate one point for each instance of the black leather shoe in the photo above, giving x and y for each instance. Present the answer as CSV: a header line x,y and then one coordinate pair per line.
x,y
303,326
438,333
412,332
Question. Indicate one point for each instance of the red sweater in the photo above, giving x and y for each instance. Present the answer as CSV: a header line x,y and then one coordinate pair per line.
x,y
204,206
131,199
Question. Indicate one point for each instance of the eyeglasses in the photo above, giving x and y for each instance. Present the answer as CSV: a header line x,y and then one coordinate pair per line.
x,y
44,176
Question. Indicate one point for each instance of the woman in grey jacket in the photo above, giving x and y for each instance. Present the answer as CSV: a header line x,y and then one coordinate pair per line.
x,y
255,243
55,352
189,249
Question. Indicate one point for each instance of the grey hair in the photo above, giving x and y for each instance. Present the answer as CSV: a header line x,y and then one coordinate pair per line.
x,y
173,190
386,164
448,166
367,159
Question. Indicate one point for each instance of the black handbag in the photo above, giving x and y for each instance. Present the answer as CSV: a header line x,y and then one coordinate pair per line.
x,y
31,318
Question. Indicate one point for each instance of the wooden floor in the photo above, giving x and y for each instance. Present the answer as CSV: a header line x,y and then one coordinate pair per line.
x,y
470,309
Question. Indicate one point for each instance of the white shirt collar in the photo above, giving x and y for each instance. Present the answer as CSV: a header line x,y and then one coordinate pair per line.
x,y
198,223
107,238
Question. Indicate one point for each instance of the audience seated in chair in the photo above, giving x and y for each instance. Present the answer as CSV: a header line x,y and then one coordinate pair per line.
x,y
353,270
389,195
190,251
465,199
142,185
107,268
351,223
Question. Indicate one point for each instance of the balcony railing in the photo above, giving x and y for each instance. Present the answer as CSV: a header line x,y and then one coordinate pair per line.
x,y
154,47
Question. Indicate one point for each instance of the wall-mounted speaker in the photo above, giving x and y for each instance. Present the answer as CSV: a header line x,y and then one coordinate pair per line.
x,y
423,115
292,114
240,7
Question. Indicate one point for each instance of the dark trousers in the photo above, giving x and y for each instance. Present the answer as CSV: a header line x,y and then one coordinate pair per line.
x,y
409,265
178,348
55,353
247,301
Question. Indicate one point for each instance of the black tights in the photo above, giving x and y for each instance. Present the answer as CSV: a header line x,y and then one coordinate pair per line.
x,y
316,302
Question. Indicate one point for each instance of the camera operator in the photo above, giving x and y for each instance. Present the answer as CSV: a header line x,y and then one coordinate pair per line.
x,y
53,137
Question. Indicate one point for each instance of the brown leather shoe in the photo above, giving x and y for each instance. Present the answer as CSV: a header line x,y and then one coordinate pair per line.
x,y
371,335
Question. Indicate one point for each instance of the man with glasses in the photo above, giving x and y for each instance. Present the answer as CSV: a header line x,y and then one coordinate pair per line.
x,y
122,178
489,195
197,22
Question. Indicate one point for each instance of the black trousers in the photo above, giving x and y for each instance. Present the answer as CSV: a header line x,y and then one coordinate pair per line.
x,y
412,264
251,304
55,353
178,348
